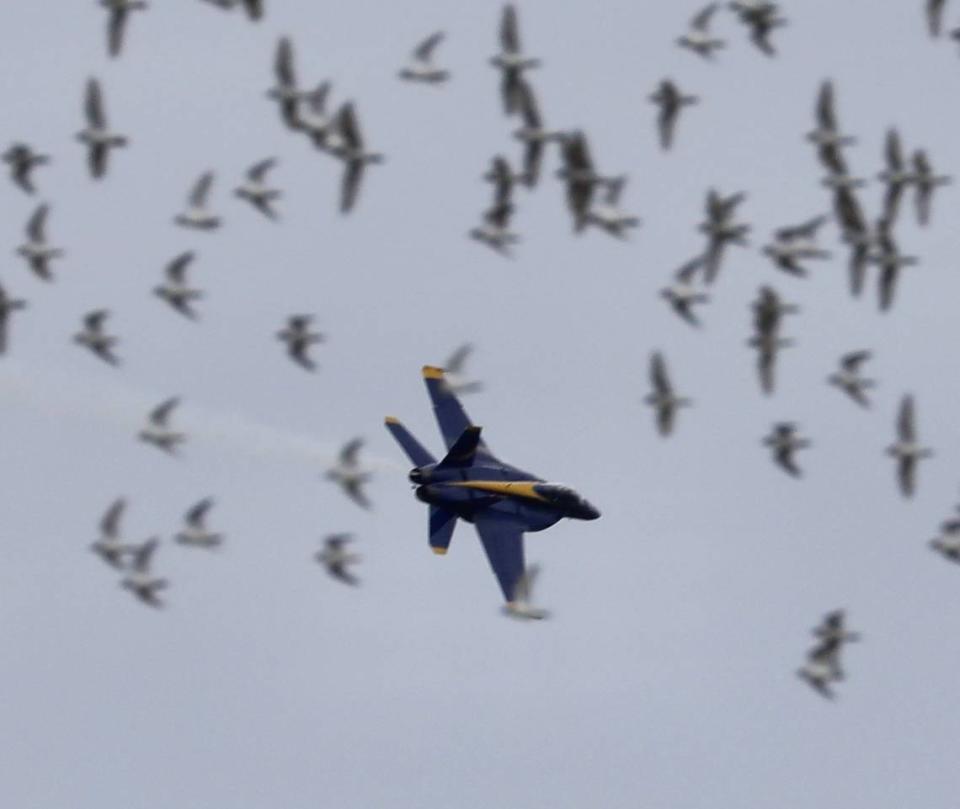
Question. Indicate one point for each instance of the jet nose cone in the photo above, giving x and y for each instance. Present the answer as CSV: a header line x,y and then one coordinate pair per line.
x,y
590,512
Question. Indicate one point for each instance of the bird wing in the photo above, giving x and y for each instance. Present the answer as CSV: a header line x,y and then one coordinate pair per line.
x,y
283,64
116,24
348,126
350,185
196,515
350,451
258,170
826,116
529,109
161,413
143,554
36,223
905,425
201,190
658,374
254,9
509,30
424,51
93,106
94,320
807,230
457,359
687,272
177,269
701,21
893,151
853,360
110,523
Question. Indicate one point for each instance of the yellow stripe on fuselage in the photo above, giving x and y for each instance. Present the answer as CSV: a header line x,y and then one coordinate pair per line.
x,y
510,488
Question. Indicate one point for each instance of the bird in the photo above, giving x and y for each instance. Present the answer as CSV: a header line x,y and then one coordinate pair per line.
x,y
767,345
510,61
455,377
682,294
117,21
196,216
935,16
8,305
670,101
349,475
254,9
906,449
97,136
769,309
194,532
580,176
697,38
663,399
421,68
792,245
337,559
520,605
256,191
312,117
22,160
94,337
533,134
827,134
784,441
495,230
36,250
890,261
608,216
896,177
856,233
139,580
926,181
109,546
721,229
286,91
849,380
298,338
157,431
503,177
351,150
821,667
947,544
761,19
832,628
175,290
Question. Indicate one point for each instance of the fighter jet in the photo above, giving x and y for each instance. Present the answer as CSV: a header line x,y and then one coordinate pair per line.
x,y
36,250
663,400
336,558
848,378
472,484
907,449
195,533
157,431
140,581
349,474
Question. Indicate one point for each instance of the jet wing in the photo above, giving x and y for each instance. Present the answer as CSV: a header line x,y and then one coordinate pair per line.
x,y
502,537
451,417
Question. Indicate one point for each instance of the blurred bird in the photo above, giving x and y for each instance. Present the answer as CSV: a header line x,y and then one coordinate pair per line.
x,y
721,229
935,16
907,450
337,559
510,61
349,475
520,606
94,337
503,177
8,305
22,160
848,377
256,191
157,430
761,19
821,667
532,134
97,136
697,38
196,216
312,117
827,134
37,252
792,245
175,290
139,580
298,338
495,231
896,177
767,345
926,182
351,150
117,21
455,377
109,546
890,261
608,216
194,532
286,92
784,442
670,101
580,176
947,544
663,400
856,233
832,628
254,8
421,68
682,294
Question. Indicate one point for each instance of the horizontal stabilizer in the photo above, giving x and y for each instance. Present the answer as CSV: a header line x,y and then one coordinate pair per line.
x,y
414,449
442,523
464,450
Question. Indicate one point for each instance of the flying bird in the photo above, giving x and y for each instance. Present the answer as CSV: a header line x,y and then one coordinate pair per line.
x,y
97,136
663,399
670,101
896,176
157,431
907,450
510,61
94,337
608,215
298,338
935,16
762,19
421,67
119,12
351,150
683,294
286,91
337,559
8,305
793,245
195,533
698,38
784,441
36,250
196,216
349,475
833,628
820,670
947,544
849,380
109,546
533,134
926,181
140,580
890,261
456,378
22,160
257,191
175,290
721,228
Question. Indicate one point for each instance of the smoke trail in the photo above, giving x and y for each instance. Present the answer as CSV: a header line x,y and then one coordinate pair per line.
x,y
120,405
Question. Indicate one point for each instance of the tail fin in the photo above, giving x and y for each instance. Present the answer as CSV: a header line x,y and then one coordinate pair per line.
x,y
442,523
414,449
464,449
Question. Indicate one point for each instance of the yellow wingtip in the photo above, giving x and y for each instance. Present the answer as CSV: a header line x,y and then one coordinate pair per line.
x,y
439,551
391,420
432,372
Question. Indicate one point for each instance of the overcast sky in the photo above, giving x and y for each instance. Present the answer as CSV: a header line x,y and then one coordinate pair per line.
x,y
665,678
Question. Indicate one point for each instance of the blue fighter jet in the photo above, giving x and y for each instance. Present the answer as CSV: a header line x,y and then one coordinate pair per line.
x,y
503,502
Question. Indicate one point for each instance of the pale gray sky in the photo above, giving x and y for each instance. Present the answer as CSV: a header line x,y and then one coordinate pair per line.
x,y
665,679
